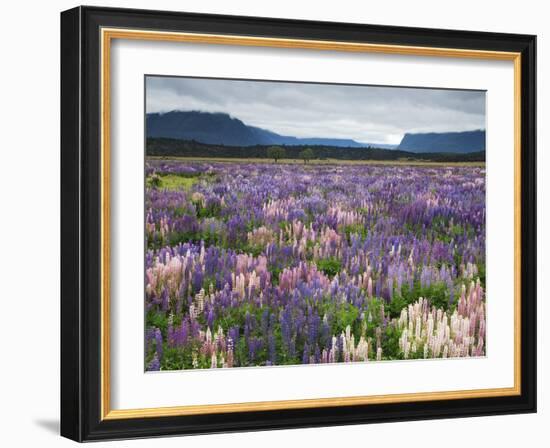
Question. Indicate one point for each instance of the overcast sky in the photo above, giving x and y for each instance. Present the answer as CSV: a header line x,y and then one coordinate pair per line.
x,y
366,114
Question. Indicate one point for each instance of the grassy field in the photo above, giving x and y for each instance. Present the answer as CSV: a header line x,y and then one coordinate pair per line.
x,y
404,162
174,182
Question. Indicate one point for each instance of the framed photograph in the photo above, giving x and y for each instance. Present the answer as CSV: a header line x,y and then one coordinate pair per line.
x,y
276,224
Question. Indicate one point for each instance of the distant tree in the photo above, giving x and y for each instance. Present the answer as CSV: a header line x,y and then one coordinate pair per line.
x,y
276,153
306,154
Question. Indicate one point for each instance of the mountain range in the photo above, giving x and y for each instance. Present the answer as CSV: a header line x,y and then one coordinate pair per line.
x,y
222,129
457,142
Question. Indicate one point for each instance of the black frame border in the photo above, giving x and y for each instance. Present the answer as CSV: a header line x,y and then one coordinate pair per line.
x,y
81,223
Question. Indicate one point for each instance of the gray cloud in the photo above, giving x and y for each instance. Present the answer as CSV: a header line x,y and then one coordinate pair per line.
x,y
363,113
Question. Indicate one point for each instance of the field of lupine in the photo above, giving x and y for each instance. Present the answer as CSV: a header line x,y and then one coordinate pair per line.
x,y
255,264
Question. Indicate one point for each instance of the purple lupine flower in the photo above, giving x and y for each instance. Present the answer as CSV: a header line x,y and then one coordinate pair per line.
x,y
254,345
272,349
158,342
210,318
305,357
154,364
164,299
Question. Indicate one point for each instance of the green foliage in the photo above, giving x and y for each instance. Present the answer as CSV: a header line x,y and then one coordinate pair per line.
x,y
437,294
414,228
176,359
355,229
306,155
396,305
212,210
153,181
253,249
447,232
183,210
155,319
175,238
390,343
276,153
481,273
329,266
275,272
344,315
283,225
241,352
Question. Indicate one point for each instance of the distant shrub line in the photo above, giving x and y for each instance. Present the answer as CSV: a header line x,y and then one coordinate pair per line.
x,y
165,147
